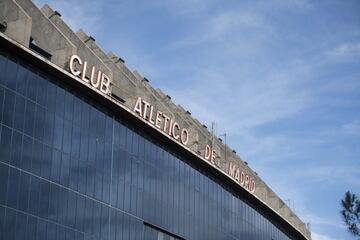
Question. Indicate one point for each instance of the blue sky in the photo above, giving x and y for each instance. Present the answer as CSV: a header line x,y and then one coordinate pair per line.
x,y
281,78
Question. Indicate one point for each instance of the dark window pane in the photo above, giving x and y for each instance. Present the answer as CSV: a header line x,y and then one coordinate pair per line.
x,y
65,170
21,220
50,99
5,144
29,118
31,85
58,132
3,61
31,228
67,137
75,142
10,74
60,101
71,210
39,123
46,159
26,157
51,231
10,223
49,128
16,143
13,188
55,166
80,211
37,160
69,105
4,173
41,230
2,96
44,199
21,80
24,191
19,113
41,91
34,195
73,180
9,103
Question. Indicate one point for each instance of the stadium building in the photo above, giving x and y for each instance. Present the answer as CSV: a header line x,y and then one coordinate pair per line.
x,y
89,150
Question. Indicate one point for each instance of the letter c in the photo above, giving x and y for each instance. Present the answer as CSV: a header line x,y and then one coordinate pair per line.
x,y
71,65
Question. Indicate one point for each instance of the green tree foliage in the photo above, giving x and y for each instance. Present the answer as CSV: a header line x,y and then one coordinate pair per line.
x,y
351,212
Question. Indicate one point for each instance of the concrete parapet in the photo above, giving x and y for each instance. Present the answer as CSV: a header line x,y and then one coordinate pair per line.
x,y
82,50
47,36
16,21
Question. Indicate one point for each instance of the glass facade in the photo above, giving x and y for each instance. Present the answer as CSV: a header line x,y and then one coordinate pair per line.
x,y
71,169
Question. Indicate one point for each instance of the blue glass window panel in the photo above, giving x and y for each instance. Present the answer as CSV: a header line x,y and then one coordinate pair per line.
x,y
24,191
32,80
55,166
88,218
21,80
82,177
104,222
51,231
10,224
41,230
46,162
4,173
29,118
80,211
60,233
26,153
2,219
39,123
31,228
3,61
8,112
75,142
49,128
53,202
60,101
10,74
65,170
44,199
2,95
16,143
21,222
41,91
34,196
37,157
67,137
98,184
73,174
58,132
13,188
19,113
69,106
50,99
71,210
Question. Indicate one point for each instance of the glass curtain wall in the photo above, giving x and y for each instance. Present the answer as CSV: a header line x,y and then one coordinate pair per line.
x,y
71,169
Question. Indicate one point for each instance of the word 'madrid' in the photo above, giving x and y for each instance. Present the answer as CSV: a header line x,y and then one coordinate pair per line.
x,y
96,79
161,121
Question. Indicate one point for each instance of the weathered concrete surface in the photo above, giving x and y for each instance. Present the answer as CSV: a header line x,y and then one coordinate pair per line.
x,y
17,21
47,36
82,50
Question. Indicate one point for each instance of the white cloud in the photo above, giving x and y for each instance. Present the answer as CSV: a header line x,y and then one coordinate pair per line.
x,y
346,49
319,236
352,128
